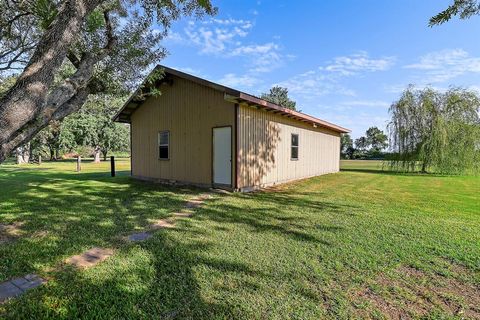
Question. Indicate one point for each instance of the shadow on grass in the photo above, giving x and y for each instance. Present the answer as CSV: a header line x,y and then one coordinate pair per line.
x,y
154,279
64,214
396,173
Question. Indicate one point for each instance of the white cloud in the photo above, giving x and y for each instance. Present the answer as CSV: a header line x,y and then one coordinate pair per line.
x,y
327,79
359,123
174,37
474,88
441,66
195,72
239,81
263,57
215,36
227,38
313,84
367,103
358,63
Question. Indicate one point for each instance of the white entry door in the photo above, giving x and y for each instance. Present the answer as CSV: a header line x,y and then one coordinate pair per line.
x,y
222,156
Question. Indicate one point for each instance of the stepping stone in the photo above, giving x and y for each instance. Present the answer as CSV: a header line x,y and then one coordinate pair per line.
x,y
90,257
141,236
194,203
9,290
204,196
163,223
183,214
17,286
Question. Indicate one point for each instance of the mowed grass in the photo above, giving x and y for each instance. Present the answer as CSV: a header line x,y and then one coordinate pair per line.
x,y
361,243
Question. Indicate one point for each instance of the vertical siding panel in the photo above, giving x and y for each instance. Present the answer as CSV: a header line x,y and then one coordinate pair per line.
x,y
189,111
265,143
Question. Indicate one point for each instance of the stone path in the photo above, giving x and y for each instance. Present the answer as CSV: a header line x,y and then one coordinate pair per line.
x,y
17,286
92,257
141,236
169,223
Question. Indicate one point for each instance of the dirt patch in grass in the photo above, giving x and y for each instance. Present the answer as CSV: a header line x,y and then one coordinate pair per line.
x,y
9,232
412,293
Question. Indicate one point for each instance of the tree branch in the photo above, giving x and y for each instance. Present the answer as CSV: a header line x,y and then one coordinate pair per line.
x,y
30,129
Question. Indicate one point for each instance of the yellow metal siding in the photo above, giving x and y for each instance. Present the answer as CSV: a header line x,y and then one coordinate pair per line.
x,y
264,149
189,111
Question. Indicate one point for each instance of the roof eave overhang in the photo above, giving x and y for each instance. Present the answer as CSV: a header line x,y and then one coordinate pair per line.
x,y
263,104
232,95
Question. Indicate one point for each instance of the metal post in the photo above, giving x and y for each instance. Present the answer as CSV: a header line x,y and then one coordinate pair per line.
x,y
112,165
79,164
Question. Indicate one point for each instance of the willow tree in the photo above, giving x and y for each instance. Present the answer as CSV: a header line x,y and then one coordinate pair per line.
x,y
434,131
110,44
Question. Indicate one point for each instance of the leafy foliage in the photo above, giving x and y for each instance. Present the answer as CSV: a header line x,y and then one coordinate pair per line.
x,y
115,43
279,96
430,130
462,8
370,146
92,128
376,139
346,146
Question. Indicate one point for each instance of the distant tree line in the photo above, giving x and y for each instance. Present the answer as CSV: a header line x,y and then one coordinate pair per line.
x,y
90,132
371,146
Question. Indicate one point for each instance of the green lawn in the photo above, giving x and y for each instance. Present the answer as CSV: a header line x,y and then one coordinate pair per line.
x,y
361,243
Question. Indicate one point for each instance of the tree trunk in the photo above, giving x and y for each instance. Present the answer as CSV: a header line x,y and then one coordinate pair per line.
x,y
19,154
104,152
23,154
424,167
30,129
96,158
23,103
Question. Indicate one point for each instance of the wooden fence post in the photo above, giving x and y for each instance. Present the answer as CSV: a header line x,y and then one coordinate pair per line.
x,y
112,165
79,164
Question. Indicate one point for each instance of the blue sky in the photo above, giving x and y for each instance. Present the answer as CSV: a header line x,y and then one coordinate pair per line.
x,y
343,61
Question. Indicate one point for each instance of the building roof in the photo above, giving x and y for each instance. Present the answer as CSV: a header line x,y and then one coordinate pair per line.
x,y
231,95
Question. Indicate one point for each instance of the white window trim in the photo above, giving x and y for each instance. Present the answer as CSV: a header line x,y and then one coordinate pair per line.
x,y
297,146
164,145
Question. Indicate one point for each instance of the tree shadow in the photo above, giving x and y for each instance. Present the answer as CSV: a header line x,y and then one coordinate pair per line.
x,y
396,173
64,214
153,280
157,278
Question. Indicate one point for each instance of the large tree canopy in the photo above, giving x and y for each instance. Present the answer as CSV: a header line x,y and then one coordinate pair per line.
x,y
430,130
376,139
279,96
109,45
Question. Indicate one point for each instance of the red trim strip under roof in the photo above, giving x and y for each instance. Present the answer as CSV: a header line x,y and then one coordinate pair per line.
x,y
294,114
124,113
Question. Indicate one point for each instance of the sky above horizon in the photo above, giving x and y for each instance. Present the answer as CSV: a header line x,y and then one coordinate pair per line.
x,y
343,61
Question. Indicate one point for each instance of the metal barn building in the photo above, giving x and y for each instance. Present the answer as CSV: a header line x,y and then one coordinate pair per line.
x,y
201,133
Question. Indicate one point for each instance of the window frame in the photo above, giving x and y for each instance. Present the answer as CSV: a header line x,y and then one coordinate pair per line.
x,y
163,145
292,146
